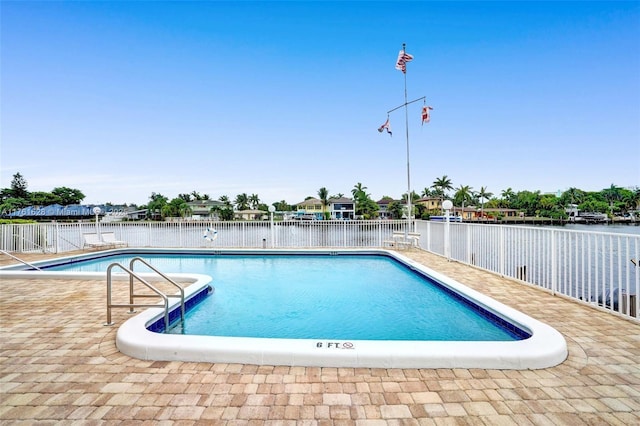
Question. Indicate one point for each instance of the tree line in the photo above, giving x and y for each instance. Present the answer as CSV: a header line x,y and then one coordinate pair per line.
x,y
613,200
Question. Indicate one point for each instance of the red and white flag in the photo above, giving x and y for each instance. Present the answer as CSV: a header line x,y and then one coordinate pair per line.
x,y
403,58
387,126
426,117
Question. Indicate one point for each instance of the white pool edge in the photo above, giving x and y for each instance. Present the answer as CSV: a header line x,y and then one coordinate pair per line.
x,y
545,348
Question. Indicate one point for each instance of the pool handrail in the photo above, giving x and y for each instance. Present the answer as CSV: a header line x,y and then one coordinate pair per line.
x,y
132,305
154,269
20,260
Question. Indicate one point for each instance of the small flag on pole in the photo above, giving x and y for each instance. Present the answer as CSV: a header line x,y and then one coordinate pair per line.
x,y
426,117
403,58
387,126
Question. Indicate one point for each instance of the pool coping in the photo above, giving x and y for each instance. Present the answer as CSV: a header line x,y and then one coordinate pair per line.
x,y
545,348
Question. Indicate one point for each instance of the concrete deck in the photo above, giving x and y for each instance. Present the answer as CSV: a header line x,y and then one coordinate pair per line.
x,y
59,365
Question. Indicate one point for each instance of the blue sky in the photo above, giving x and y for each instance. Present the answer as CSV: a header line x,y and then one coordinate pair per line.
x,y
122,99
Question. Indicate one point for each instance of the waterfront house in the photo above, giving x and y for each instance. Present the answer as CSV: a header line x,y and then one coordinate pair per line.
x,y
430,203
202,209
338,208
342,208
383,207
309,208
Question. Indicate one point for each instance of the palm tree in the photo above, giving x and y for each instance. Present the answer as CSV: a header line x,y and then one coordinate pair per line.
x,y
156,205
323,195
575,195
254,200
441,185
611,194
358,193
463,194
242,201
483,194
226,211
635,199
414,199
358,189
184,210
281,206
426,192
508,195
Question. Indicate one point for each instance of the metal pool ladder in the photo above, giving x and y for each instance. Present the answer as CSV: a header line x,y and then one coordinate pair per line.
x,y
132,295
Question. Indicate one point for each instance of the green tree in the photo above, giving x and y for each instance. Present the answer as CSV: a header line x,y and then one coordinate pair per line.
x,y
282,206
368,208
592,204
177,207
19,187
359,195
572,196
507,198
225,212
463,196
414,198
395,209
636,198
41,198
630,199
323,196
10,205
68,196
199,197
185,197
441,186
364,205
426,192
242,201
612,195
483,195
527,201
254,201
156,206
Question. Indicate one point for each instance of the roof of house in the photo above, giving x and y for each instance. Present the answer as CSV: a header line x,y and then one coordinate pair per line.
x,y
385,201
204,203
340,200
309,202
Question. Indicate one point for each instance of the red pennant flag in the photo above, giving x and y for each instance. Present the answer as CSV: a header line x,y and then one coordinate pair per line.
x,y
387,126
426,117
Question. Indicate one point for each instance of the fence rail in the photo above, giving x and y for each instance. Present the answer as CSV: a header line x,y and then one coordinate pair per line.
x,y
596,267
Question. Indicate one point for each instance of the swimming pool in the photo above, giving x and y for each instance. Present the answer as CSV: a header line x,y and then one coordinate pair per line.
x,y
526,343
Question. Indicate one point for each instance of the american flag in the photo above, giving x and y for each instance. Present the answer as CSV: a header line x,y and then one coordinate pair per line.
x,y
403,58
426,117
387,126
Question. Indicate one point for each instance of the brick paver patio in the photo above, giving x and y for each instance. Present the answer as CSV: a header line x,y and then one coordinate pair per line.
x,y
59,365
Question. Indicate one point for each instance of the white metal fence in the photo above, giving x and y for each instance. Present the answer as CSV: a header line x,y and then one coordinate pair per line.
x,y
597,267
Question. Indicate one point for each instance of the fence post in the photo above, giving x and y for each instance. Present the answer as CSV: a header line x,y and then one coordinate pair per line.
x,y
554,263
501,255
57,232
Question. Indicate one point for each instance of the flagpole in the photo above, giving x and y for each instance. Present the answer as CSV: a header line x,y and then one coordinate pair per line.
x,y
403,58
406,121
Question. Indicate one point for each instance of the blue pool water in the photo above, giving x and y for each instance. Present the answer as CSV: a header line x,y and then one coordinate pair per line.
x,y
345,297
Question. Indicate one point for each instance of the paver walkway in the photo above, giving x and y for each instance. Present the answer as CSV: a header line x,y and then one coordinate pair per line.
x,y
59,365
